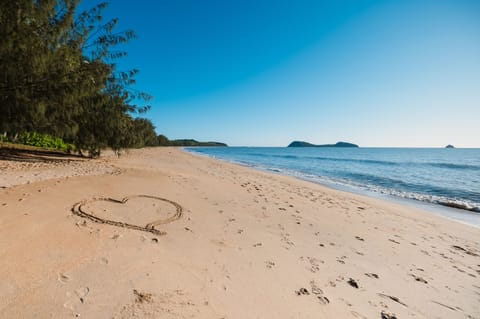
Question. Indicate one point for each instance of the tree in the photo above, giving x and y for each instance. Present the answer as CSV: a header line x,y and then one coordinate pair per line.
x,y
162,140
38,65
58,76
144,130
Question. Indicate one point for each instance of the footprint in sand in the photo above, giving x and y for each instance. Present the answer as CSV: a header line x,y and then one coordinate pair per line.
x,y
385,315
76,298
302,291
419,279
318,292
372,275
393,298
285,237
352,283
82,293
314,264
63,278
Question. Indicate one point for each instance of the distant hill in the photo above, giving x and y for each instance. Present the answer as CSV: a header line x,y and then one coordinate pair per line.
x,y
162,140
191,142
306,144
449,146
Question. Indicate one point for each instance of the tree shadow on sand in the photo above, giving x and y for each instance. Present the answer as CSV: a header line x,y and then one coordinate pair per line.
x,y
33,156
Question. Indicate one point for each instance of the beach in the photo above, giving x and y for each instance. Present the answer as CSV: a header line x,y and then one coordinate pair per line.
x,y
162,233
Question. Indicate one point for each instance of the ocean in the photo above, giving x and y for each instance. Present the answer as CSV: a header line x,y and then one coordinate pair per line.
x,y
444,181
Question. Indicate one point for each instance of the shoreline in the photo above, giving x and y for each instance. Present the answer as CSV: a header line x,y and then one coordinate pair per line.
x,y
448,211
245,244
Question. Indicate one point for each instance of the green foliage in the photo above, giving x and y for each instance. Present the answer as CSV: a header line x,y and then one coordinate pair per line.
x,y
162,140
190,142
39,140
58,76
144,131
44,140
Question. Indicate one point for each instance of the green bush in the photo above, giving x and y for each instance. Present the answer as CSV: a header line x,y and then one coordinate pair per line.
x,y
44,141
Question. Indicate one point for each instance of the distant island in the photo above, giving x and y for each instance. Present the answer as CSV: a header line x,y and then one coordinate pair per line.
x,y
306,144
449,146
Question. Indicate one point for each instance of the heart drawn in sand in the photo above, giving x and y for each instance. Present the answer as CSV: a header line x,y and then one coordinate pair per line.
x,y
130,212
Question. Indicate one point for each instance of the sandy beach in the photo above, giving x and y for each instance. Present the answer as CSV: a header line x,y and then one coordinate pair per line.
x,y
162,233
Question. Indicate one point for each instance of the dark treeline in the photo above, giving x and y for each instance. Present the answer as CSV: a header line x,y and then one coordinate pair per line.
x,y
58,76
162,140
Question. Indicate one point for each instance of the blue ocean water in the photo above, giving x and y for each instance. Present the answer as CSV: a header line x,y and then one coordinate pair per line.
x,y
448,177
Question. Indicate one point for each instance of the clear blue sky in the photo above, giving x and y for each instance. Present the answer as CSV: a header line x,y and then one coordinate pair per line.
x,y
264,73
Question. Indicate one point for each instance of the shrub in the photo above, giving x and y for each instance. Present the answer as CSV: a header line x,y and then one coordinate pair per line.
x,y
44,141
